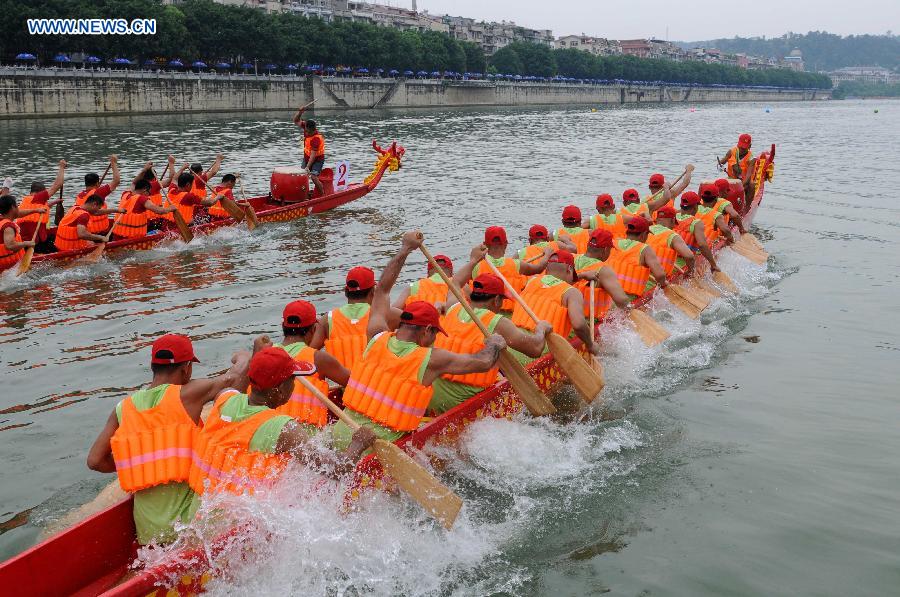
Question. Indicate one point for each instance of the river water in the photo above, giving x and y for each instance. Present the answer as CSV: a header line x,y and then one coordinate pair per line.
x,y
754,453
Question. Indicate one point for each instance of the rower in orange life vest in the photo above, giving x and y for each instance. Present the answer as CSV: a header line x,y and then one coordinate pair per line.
x,y
539,240
554,300
714,221
183,197
738,161
246,443
225,188
139,208
313,150
298,323
720,203
99,223
691,228
572,227
201,177
13,246
591,266
156,187
657,184
430,289
73,232
607,217
514,270
390,387
633,261
40,196
669,247
149,438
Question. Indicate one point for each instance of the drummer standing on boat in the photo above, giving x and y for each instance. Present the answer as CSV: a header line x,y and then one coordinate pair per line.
x,y
313,149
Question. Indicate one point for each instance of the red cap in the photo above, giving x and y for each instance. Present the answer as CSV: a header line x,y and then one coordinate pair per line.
x,y
638,225
538,232
489,284
657,180
723,185
423,314
689,199
571,213
495,235
360,278
605,200
171,349
631,196
443,261
272,366
709,190
666,211
562,257
744,141
601,238
298,314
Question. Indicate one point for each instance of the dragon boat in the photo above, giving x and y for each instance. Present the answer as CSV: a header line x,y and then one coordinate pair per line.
x,y
93,557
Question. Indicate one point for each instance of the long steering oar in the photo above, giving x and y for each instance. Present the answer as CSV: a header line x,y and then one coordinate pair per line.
x,y
585,379
94,256
592,360
252,221
537,404
422,486
230,206
183,229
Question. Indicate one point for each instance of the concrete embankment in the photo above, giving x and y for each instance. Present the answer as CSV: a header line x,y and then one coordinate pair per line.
x,y
80,92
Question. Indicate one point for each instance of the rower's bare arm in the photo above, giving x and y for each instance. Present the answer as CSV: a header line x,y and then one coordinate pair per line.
x,y
10,242
331,368
100,456
197,392
574,304
380,312
216,165
660,198
444,361
400,301
294,441
725,229
685,181
36,210
683,251
565,241
650,260
607,279
117,176
536,267
735,217
700,239
170,172
150,206
85,234
60,177
464,273
529,344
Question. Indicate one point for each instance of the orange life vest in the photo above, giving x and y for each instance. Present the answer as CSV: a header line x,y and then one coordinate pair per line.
x,y
223,460
346,337
661,245
709,217
187,211
685,229
466,338
532,252
579,237
156,197
429,291
198,186
303,405
386,388
626,262
307,146
67,232
154,446
546,302
9,258
28,203
613,222
510,270
216,209
131,224
98,224
733,159
642,210
601,298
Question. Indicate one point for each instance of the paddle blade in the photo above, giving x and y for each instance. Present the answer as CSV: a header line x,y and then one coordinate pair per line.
x,y
705,287
94,256
233,209
25,263
725,281
751,240
749,253
252,221
582,376
530,395
183,229
680,297
436,498
650,332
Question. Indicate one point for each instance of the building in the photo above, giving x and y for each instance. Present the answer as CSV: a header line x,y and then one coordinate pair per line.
x,y
864,74
794,60
492,36
597,46
652,48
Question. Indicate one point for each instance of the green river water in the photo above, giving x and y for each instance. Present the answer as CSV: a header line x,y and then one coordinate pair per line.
x,y
757,452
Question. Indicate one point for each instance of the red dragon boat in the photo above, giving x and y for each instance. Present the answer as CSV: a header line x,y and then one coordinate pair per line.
x,y
92,557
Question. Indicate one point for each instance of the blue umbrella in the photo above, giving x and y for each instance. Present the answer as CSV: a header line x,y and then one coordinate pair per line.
x,y
92,59
26,56
435,73
199,64
149,62
176,63
121,61
408,73
61,58
246,65
271,66
223,65
291,67
363,71
329,69
393,72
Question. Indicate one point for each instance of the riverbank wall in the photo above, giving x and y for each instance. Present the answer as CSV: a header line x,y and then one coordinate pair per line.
x,y
49,92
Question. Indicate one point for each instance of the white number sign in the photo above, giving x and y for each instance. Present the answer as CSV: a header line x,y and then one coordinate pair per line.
x,y
341,175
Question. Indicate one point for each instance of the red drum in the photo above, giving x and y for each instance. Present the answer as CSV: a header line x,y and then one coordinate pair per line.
x,y
289,185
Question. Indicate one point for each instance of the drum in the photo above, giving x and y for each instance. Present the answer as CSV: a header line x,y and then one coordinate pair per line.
x,y
289,185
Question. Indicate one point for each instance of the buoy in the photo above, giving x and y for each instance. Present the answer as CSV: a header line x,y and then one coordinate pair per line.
x,y
768,110
876,110
693,109
595,109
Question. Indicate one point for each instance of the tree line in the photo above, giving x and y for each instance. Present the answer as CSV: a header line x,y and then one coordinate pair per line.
x,y
847,89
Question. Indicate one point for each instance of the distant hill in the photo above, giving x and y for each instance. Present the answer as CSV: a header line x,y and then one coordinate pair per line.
x,y
821,50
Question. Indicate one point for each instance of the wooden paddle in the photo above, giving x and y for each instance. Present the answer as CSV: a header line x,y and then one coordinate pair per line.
x,y
252,221
58,215
25,262
590,359
230,206
725,281
750,253
585,379
650,332
753,241
94,256
436,498
530,395
688,301
183,229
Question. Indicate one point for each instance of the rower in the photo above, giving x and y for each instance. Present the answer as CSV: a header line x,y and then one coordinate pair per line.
x,y
632,206
138,206
715,221
633,261
738,160
390,387
156,186
463,336
73,232
313,149
720,203
6,186
669,247
692,229
571,226
99,222
430,289
201,178
657,185
553,299
539,241
183,197
299,322
226,189
13,248
342,331
606,218
150,436
515,271
245,443
591,266
33,217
